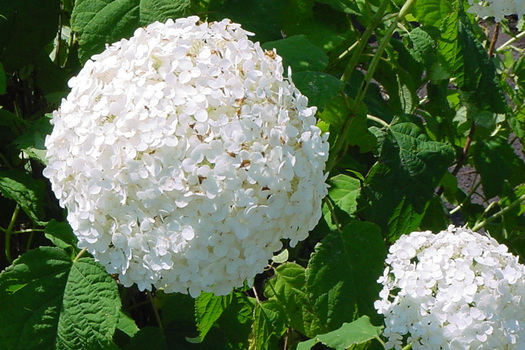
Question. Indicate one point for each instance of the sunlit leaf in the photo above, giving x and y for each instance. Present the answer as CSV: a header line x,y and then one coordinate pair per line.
x,y
161,10
208,308
58,303
317,86
103,22
466,59
358,332
342,273
29,193
493,159
344,191
400,184
268,323
433,12
61,234
289,288
291,50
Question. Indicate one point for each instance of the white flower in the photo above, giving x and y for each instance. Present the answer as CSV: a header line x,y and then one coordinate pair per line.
x,y
497,8
183,157
453,290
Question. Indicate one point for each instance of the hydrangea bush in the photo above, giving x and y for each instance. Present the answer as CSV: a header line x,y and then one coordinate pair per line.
x,y
456,289
184,156
184,161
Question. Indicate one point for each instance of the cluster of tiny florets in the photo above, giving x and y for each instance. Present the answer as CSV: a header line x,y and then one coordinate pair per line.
x,y
453,290
497,8
183,157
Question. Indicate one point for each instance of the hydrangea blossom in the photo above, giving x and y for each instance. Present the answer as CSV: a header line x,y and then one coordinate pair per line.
x,y
183,157
497,8
453,290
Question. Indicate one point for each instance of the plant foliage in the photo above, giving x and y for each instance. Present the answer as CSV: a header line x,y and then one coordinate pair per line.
x,y
426,120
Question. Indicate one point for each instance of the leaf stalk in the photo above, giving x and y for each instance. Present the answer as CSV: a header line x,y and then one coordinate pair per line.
x,y
8,232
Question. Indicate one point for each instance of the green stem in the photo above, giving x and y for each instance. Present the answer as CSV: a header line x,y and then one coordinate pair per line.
x,y
332,212
375,62
79,255
341,139
377,120
30,240
59,36
8,233
29,230
381,342
337,152
155,311
408,347
405,9
379,52
510,41
363,41
517,202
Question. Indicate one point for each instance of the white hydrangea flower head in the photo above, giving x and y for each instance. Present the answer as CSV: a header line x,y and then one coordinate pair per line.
x,y
497,8
453,290
183,157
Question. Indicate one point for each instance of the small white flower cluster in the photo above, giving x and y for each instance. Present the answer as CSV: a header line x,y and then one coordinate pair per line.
x,y
453,290
183,157
497,8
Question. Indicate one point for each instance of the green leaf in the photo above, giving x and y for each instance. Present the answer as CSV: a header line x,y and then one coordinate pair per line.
x,y
263,18
433,12
435,218
126,324
48,301
424,45
26,27
208,309
61,234
335,113
147,338
176,309
344,191
32,140
31,292
399,186
358,332
465,58
90,307
322,30
26,191
269,323
322,36
282,257
103,22
234,325
493,160
346,6
161,10
342,273
288,287
318,87
292,49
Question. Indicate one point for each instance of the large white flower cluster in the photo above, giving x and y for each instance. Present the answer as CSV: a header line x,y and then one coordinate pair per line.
x,y
183,157
453,290
496,8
